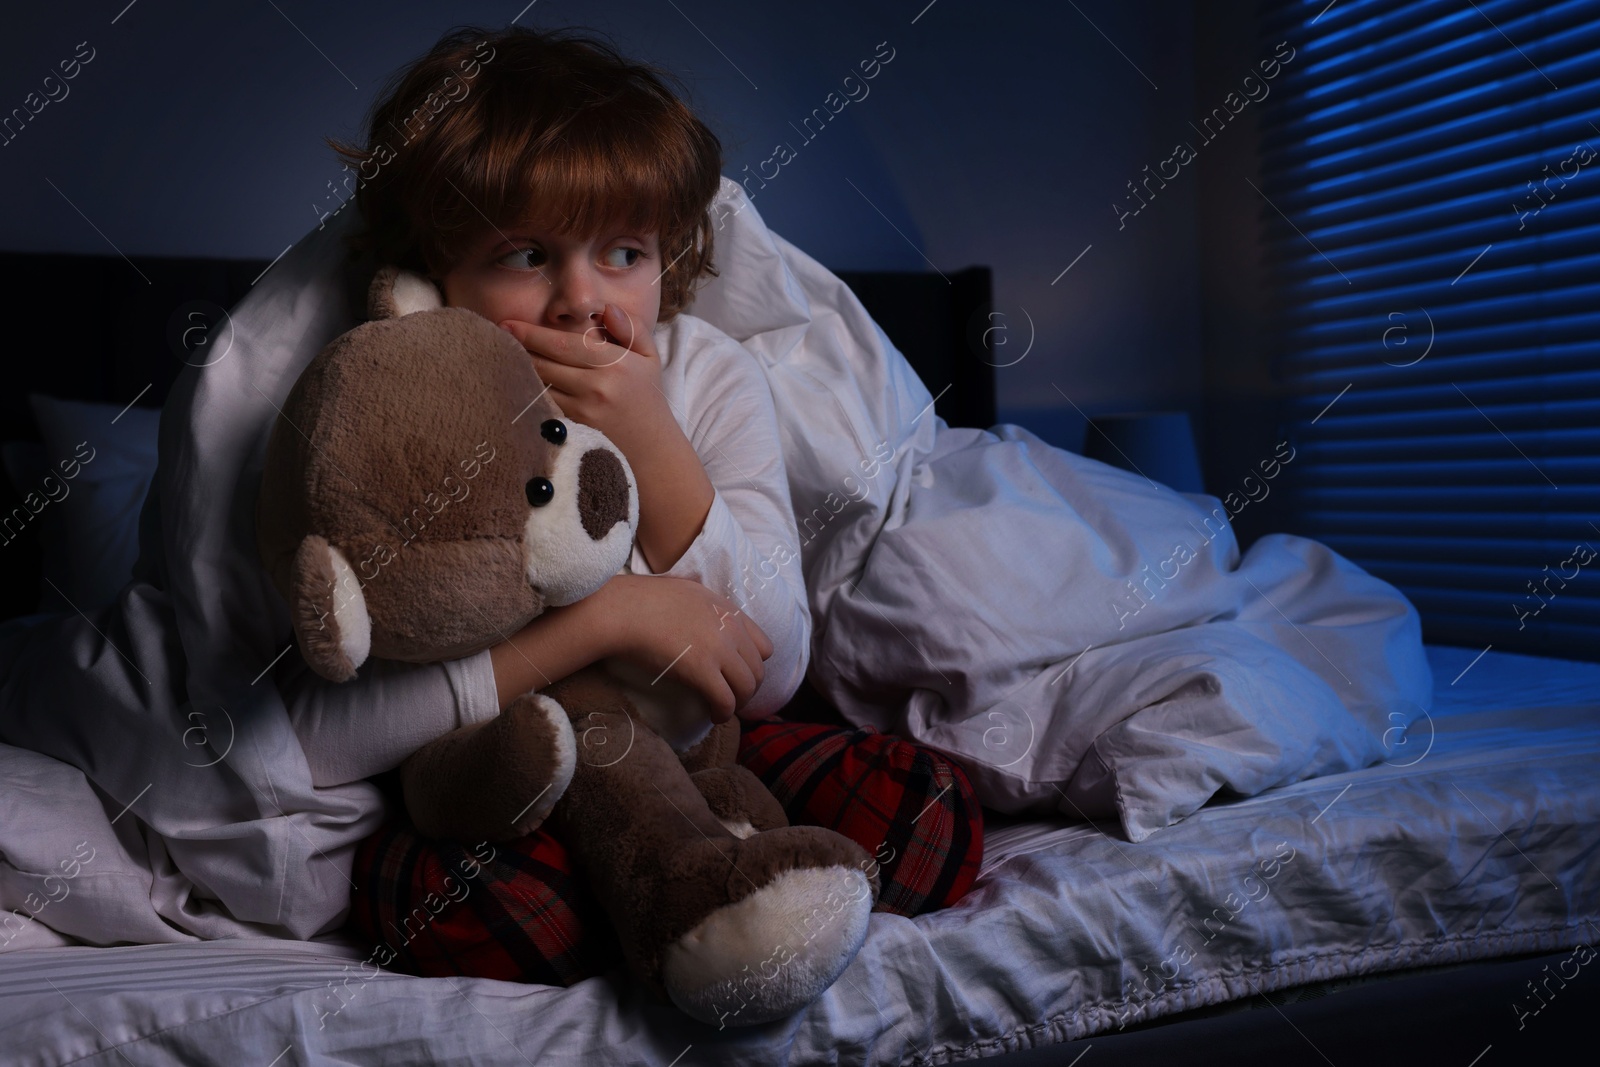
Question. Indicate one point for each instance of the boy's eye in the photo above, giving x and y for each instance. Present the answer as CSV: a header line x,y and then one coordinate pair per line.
x,y
619,256
524,259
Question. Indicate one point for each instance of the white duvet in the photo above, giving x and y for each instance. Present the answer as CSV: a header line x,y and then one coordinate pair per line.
x,y
1084,639
966,596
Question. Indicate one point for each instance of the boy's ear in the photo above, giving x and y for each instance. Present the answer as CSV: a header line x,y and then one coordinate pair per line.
x,y
395,292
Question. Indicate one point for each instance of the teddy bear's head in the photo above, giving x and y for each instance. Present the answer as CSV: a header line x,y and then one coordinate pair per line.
x,y
423,497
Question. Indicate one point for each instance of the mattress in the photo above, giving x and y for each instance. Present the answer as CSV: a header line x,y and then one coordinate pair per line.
x,y
1475,841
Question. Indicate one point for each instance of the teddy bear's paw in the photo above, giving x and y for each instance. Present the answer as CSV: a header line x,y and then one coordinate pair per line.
x,y
545,721
773,952
493,781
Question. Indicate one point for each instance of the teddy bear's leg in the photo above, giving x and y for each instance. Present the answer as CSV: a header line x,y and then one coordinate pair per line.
x,y
739,799
733,931
495,780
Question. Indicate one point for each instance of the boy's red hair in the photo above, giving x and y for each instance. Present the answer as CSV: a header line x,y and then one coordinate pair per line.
x,y
554,128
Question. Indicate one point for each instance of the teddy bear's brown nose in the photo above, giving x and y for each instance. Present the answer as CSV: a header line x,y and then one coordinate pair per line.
x,y
602,492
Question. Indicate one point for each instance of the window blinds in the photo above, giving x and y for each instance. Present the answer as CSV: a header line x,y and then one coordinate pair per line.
x,y
1430,191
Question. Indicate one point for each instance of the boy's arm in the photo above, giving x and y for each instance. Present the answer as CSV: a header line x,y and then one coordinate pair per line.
x,y
713,493
561,641
370,724
747,549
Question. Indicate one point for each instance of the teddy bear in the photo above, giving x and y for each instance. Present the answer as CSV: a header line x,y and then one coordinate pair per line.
x,y
422,499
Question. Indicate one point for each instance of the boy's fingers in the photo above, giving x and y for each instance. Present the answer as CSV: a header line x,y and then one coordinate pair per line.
x,y
719,696
752,632
581,350
556,375
753,662
745,645
625,332
518,329
565,401
742,681
757,634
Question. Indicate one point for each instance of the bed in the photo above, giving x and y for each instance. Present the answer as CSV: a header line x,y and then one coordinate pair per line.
x,y
1334,906
1481,848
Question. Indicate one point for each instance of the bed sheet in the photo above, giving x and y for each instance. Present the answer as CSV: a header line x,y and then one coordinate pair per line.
x,y
1476,840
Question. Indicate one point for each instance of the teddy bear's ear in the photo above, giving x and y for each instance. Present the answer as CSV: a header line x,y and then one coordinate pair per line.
x,y
331,623
395,292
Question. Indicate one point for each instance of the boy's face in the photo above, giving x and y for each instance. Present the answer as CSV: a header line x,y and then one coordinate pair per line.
x,y
532,275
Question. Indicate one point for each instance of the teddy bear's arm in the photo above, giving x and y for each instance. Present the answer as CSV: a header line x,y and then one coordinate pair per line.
x,y
494,780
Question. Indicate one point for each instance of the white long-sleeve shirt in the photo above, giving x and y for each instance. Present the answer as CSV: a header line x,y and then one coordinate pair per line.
x,y
747,550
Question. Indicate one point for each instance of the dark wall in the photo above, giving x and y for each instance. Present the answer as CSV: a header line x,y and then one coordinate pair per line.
x,y
998,134
1239,426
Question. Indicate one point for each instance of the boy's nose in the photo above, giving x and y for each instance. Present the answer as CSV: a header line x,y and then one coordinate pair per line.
x,y
576,315
575,305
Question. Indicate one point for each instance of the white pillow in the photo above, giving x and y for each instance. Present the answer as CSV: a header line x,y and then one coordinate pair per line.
x,y
852,413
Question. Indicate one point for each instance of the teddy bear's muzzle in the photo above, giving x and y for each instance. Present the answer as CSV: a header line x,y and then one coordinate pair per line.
x,y
580,533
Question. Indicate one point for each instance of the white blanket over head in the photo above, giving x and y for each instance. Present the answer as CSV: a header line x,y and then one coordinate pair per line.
x,y
1082,638
954,575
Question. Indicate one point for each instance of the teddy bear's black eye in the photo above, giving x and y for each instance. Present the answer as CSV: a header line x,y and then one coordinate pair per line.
x,y
553,430
540,492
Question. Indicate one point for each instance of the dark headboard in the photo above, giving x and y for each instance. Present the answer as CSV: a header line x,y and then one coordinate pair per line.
x,y
117,331
939,324
112,327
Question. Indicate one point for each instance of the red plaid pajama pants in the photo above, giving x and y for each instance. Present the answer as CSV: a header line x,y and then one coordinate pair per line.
x,y
518,911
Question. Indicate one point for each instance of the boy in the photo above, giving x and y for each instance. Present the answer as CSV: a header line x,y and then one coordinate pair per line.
x,y
562,192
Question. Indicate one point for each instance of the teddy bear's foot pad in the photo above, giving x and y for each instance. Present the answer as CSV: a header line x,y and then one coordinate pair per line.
x,y
772,952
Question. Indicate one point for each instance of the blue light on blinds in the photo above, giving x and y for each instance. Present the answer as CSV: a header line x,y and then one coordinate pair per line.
x,y
1433,234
